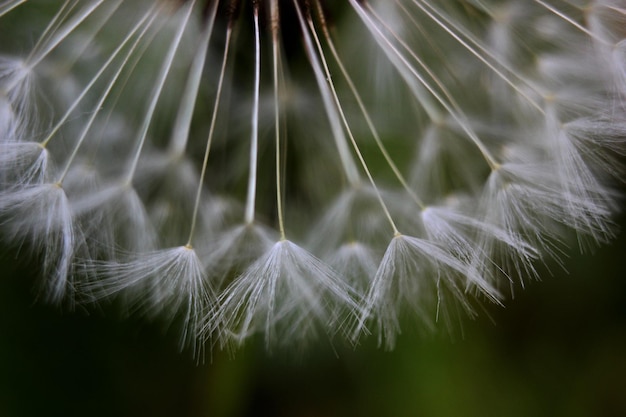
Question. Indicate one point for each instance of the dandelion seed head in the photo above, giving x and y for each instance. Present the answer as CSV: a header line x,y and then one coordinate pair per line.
x,y
303,169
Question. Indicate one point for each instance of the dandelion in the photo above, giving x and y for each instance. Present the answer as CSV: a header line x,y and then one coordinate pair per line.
x,y
304,168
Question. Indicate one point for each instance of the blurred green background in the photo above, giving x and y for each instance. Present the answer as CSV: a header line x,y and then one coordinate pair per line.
x,y
557,349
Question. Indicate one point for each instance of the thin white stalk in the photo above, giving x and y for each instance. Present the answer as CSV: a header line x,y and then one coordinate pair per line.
x,y
156,92
619,10
339,109
366,115
53,25
393,52
7,6
86,39
63,33
469,48
254,139
572,22
91,83
348,164
274,17
106,92
136,58
444,90
27,64
218,94
180,133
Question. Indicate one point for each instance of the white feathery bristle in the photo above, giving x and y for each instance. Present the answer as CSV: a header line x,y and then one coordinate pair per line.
x,y
8,120
287,294
354,215
168,283
41,215
16,82
23,163
231,252
357,263
124,212
415,277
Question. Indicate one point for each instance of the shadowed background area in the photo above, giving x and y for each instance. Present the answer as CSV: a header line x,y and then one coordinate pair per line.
x,y
557,349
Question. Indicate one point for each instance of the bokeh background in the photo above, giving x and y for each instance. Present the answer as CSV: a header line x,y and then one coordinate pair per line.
x,y
557,349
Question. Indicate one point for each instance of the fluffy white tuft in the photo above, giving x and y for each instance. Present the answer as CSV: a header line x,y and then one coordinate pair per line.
x,y
41,216
415,277
287,294
167,283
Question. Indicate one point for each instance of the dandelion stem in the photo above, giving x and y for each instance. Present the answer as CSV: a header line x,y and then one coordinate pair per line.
x,y
254,139
617,9
7,7
422,4
573,22
338,134
205,161
365,113
87,39
274,17
63,33
180,132
106,92
451,107
339,109
27,65
155,29
53,25
91,83
156,92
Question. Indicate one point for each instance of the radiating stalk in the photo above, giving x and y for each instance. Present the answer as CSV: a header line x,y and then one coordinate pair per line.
x,y
254,139
218,95
156,92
